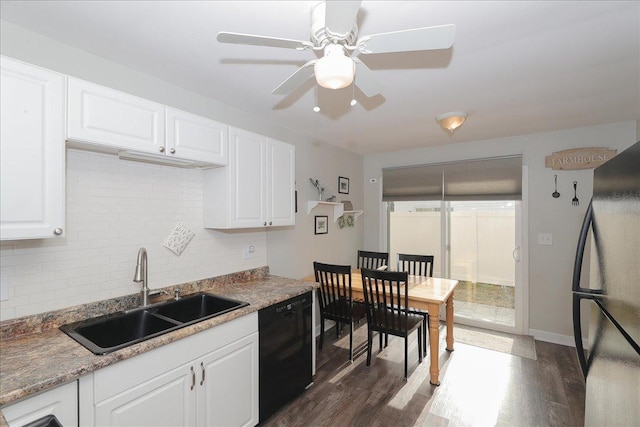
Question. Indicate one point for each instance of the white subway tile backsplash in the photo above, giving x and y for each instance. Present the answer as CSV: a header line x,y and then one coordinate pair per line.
x,y
113,208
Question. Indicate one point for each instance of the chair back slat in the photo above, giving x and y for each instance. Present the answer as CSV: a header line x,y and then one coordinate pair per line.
x,y
418,265
372,260
386,297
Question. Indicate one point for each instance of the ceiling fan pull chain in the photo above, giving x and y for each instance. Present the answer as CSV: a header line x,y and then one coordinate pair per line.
x,y
353,92
316,109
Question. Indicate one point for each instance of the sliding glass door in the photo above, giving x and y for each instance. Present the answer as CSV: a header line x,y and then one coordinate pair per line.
x,y
481,240
474,242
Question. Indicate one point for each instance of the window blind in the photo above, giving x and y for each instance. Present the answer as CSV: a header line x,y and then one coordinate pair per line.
x,y
484,179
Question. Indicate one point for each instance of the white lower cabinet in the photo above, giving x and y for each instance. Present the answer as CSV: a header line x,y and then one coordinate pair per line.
x,y
228,393
166,400
207,379
62,402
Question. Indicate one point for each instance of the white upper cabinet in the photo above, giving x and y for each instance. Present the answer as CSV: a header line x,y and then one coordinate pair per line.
x,y
32,152
281,178
100,115
104,119
197,138
256,189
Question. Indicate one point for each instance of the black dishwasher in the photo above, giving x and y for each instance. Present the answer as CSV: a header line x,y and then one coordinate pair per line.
x,y
286,335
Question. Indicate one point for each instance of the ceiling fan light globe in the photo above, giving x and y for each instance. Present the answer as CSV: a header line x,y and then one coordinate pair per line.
x,y
335,70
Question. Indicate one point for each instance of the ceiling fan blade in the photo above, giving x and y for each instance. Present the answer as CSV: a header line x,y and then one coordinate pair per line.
x,y
341,15
250,39
296,79
427,38
366,80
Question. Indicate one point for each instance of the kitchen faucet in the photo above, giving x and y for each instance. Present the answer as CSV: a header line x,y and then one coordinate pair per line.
x,y
140,275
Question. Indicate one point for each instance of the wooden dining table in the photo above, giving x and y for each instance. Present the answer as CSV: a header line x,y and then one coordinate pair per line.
x,y
425,293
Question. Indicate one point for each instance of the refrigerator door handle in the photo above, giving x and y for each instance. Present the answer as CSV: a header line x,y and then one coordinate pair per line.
x,y
582,241
577,332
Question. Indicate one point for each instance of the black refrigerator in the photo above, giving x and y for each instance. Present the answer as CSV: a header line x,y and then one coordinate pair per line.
x,y
611,366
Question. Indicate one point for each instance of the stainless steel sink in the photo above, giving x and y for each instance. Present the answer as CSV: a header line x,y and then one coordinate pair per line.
x,y
104,334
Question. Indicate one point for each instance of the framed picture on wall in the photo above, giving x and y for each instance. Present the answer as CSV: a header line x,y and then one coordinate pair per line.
x,y
343,185
321,224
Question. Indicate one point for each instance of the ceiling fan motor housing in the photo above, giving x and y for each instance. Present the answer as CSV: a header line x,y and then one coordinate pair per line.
x,y
321,35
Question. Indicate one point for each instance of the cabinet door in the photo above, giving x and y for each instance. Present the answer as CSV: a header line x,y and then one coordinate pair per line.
x,y
281,177
61,402
247,179
32,152
166,400
104,116
196,138
228,392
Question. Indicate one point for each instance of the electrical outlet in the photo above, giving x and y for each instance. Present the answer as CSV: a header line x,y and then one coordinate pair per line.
x,y
545,239
248,251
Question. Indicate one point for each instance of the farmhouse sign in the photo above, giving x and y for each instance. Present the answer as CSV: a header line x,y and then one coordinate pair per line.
x,y
579,158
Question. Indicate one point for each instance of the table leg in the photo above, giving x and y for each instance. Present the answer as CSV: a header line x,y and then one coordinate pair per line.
x,y
434,337
450,323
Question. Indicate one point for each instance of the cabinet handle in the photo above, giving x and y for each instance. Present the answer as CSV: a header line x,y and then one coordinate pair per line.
x,y
172,151
265,223
162,149
193,378
57,231
270,222
203,371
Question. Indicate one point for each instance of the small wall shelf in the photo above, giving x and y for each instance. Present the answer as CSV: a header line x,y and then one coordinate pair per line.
x,y
338,209
355,214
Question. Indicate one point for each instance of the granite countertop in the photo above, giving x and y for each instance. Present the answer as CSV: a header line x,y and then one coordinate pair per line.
x,y
43,359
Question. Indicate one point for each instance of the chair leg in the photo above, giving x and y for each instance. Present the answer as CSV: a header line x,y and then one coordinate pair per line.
x,y
420,345
386,340
406,351
351,342
369,342
338,327
321,333
380,336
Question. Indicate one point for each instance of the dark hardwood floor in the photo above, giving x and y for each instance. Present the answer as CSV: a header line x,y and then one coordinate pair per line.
x,y
478,387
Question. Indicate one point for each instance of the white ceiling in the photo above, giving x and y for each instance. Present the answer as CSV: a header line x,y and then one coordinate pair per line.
x,y
517,67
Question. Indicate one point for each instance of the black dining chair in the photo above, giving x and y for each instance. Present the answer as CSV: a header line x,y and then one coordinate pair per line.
x,y
335,299
418,265
373,260
386,295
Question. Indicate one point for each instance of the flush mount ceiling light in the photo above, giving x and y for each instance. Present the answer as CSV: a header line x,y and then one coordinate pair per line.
x,y
335,69
449,122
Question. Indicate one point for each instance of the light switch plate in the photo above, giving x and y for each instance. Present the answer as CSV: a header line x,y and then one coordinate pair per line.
x,y
545,239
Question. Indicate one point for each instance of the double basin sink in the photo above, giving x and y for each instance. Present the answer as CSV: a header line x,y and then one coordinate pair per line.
x,y
104,334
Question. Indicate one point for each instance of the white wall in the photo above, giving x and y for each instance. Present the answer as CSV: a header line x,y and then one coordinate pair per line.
x,y
114,207
292,252
550,267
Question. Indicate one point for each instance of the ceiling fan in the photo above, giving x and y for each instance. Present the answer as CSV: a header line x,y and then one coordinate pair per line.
x,y
334,31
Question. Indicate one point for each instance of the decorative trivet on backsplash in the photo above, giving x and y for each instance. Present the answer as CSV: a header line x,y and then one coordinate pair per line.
x,y
179,239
